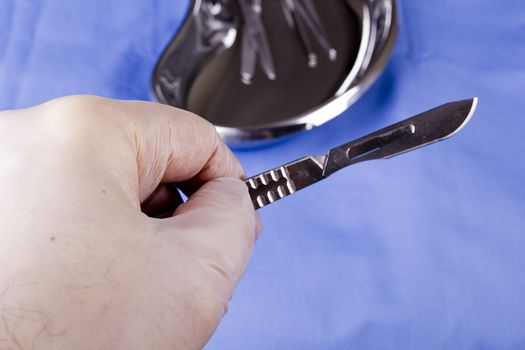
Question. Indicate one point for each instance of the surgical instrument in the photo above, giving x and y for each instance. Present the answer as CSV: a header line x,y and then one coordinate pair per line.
x,y
421,130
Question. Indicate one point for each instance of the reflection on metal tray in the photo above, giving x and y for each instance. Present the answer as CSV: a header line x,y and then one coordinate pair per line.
x,y
264,69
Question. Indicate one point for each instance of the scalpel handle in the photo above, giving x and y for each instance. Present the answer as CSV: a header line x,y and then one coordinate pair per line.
x,y
285,180
270,186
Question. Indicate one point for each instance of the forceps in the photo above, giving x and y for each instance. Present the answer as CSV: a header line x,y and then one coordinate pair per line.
x,y
300,14
254,42
303,15
421,130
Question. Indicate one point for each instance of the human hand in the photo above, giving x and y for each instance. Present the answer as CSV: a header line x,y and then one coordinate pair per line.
x,y
81,266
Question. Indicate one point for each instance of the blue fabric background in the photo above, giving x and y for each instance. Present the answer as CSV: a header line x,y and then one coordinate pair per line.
x,y
424,251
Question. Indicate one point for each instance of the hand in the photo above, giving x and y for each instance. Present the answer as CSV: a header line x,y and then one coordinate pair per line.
x,y
81,265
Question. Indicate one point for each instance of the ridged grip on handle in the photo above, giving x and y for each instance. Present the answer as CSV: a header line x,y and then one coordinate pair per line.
x,y
270,186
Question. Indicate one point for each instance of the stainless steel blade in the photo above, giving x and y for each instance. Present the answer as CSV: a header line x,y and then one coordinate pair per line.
x,y
423,129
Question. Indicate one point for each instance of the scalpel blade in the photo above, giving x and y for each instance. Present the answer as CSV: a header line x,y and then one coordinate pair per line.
x,y
423,129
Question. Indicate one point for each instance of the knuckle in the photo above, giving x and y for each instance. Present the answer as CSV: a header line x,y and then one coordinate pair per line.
x,y
77,120
201,129
71,106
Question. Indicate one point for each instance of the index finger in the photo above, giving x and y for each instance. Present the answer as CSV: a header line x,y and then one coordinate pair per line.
x,y
174,145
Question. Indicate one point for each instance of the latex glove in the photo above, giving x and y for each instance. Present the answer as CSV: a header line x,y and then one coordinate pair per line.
x,y
81,267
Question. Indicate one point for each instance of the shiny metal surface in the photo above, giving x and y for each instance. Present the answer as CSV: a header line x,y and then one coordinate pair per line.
x,y
210,28
302,15
198,70
255,45
423,129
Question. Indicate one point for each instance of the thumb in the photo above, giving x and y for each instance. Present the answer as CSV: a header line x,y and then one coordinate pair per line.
x,y
219,223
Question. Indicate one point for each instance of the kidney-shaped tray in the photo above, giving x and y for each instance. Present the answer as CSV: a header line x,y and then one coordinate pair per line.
x,y
263,69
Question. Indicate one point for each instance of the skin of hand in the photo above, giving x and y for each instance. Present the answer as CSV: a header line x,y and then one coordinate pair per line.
x,y
81,264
